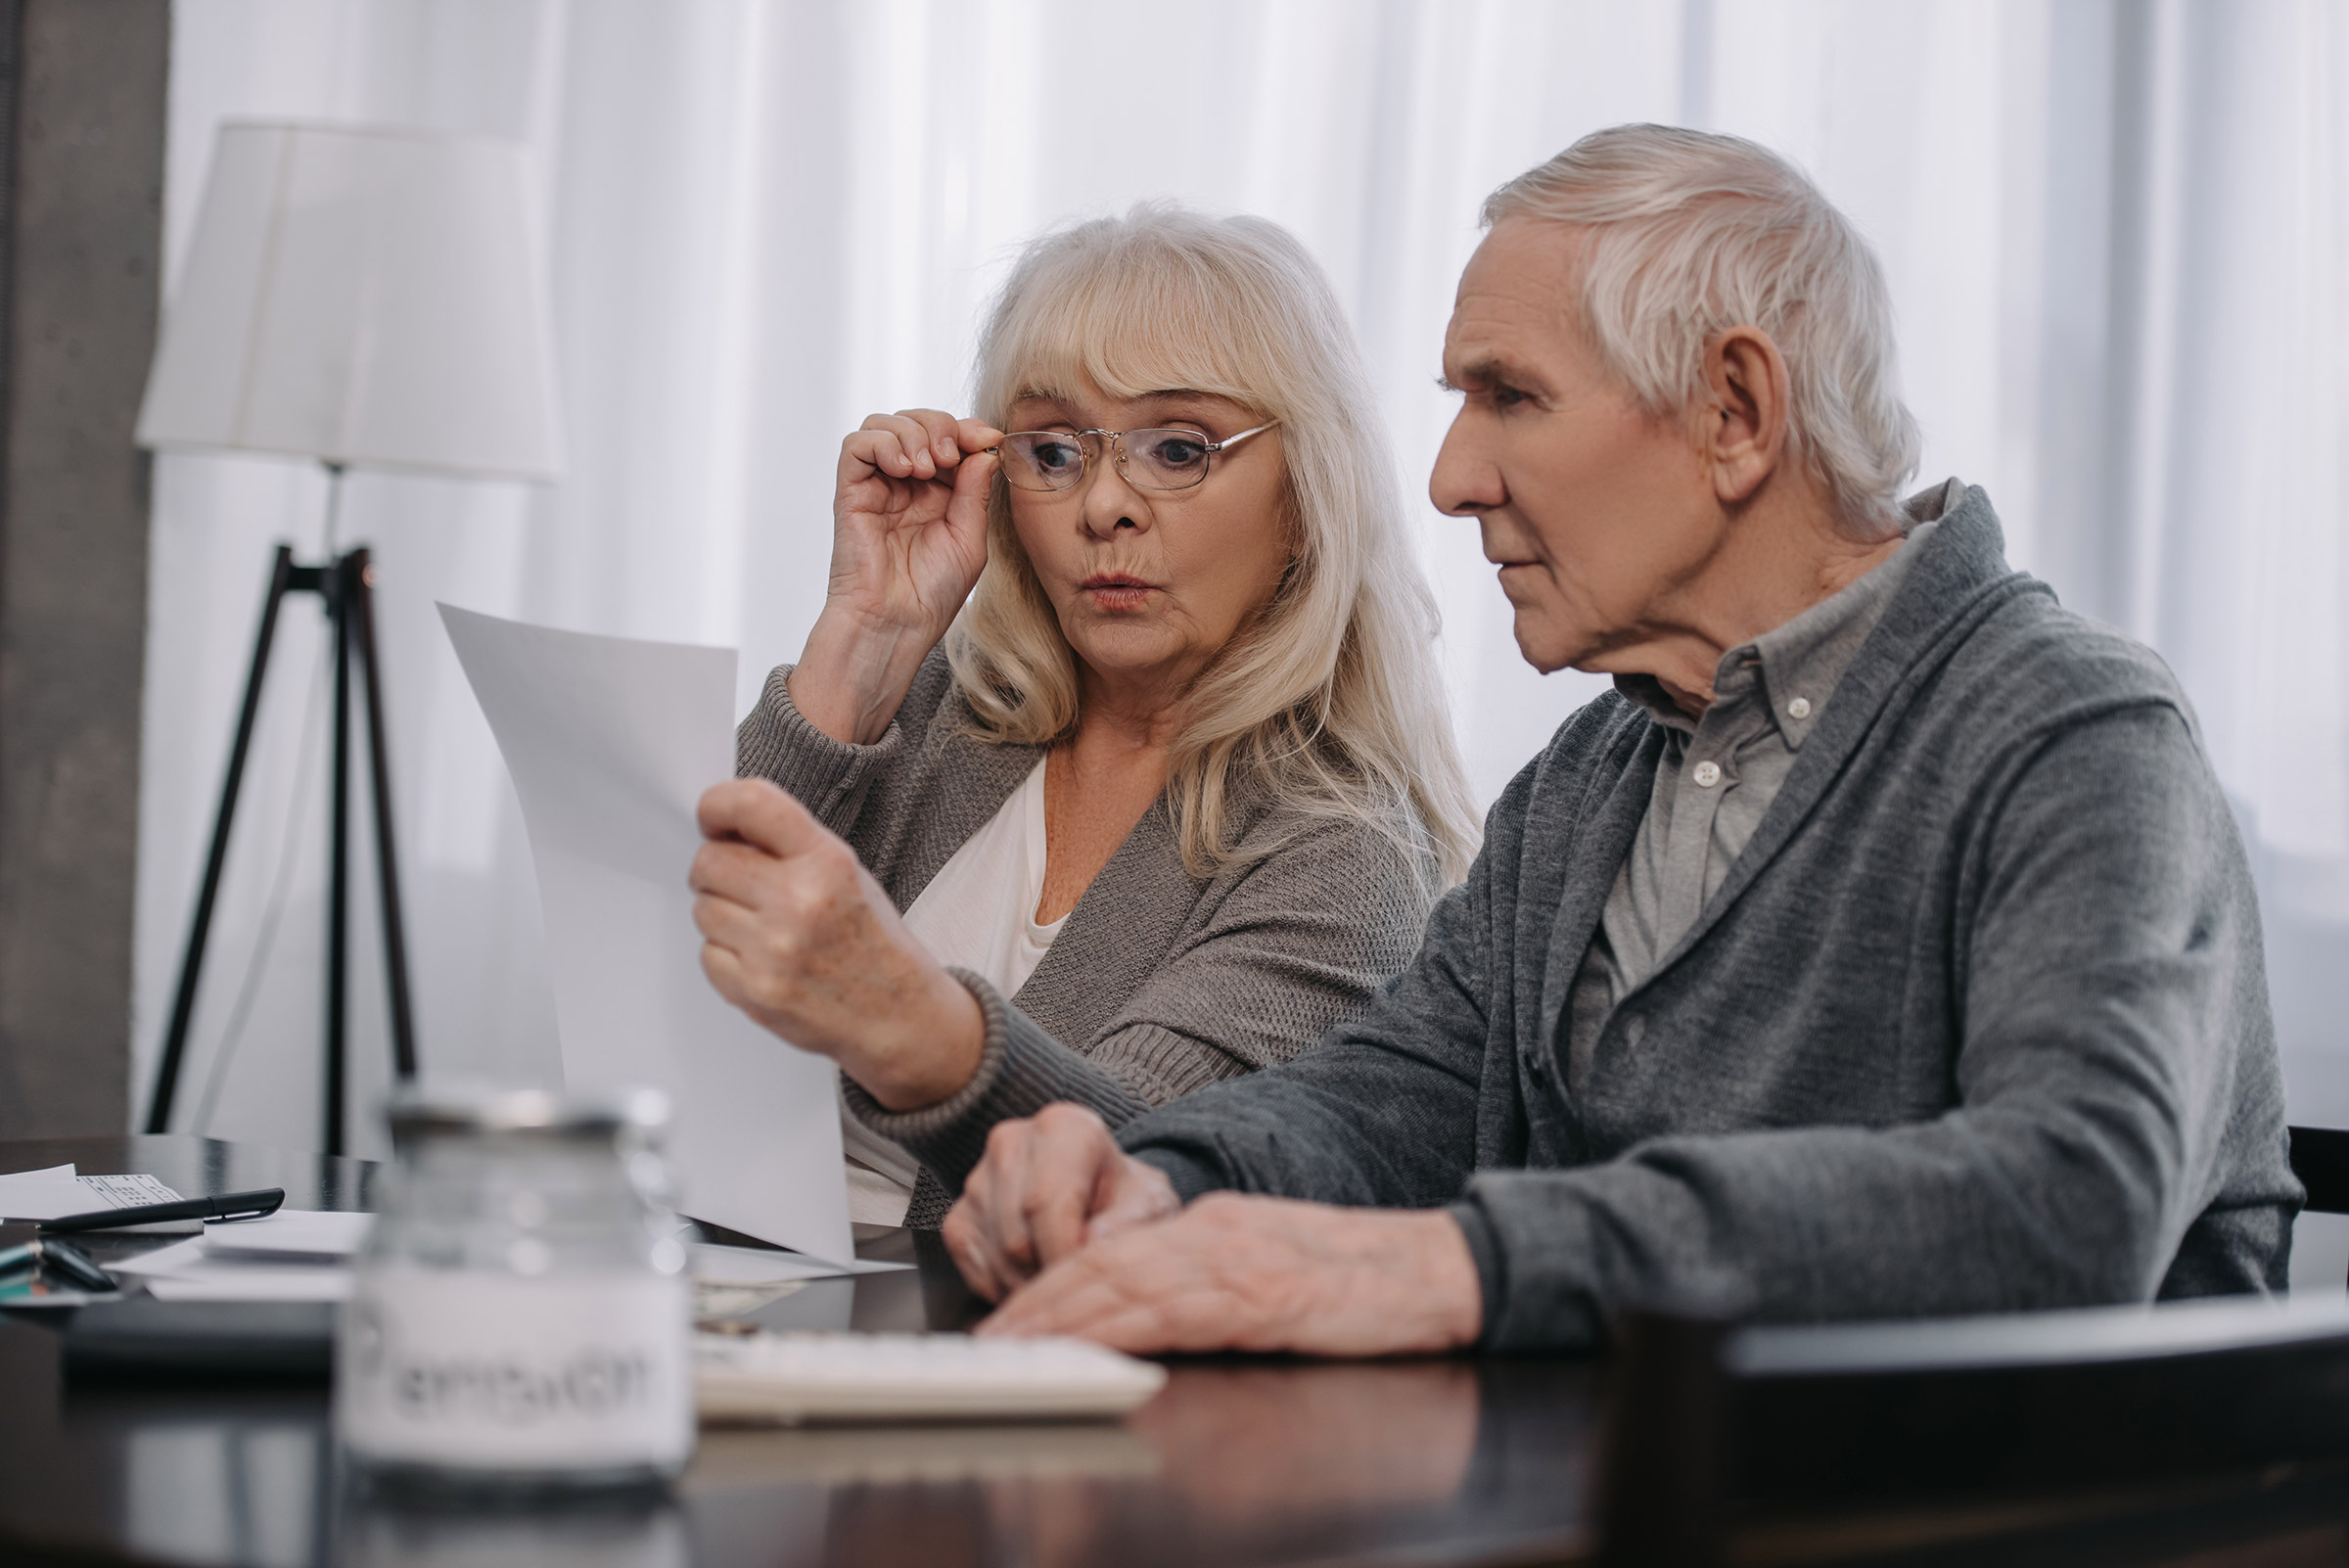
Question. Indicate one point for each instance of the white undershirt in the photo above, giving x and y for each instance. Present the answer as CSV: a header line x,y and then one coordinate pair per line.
x,y
978,914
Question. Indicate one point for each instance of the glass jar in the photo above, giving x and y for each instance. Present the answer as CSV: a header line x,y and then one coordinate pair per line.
x,y
520,1316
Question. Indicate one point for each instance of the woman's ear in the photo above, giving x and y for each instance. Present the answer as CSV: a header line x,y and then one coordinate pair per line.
x,y
1743,431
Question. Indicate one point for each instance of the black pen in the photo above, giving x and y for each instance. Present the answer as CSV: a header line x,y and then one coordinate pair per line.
x,y
227,1206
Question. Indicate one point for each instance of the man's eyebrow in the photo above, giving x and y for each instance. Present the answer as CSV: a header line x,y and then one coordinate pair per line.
x,y
1493,369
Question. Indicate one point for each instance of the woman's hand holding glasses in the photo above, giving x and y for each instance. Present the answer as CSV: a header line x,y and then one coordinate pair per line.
x,y
909,541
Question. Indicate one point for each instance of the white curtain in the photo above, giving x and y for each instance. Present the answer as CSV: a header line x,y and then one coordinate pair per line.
x,y
2117,234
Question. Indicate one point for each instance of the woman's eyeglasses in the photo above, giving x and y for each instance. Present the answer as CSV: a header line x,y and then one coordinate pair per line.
x,y
1147,459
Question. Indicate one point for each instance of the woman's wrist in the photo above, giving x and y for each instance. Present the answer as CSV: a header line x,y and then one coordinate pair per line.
x,y
938,1042
853,674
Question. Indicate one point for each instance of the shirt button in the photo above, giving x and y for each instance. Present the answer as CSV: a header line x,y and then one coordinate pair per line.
x,y
1706,774
1800,707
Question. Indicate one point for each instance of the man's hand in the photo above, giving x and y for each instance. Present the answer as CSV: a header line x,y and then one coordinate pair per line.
x,y
1047,1185
797,935
1253,1273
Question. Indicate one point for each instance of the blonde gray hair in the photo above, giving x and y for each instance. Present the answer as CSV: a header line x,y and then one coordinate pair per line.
x,y
1329,702
1684,235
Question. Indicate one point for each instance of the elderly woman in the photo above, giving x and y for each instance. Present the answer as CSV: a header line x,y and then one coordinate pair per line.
x,y
1117,763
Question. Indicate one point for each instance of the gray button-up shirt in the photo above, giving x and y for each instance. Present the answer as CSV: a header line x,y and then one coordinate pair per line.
x,y
1718,776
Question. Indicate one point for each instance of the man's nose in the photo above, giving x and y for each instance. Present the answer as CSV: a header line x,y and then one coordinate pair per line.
x,y
1465,482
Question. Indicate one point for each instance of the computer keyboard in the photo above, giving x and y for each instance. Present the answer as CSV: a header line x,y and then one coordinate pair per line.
x,y
791,1378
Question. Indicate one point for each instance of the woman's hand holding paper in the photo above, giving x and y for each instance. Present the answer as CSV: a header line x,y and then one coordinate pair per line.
x,y
909,541
797,935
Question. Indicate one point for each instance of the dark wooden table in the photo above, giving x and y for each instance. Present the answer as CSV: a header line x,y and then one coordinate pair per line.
x,y
1435,1462
1234,1464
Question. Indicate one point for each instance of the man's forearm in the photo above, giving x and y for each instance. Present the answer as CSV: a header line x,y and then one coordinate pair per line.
x,y
1381,1112
2006,1212
1346,1123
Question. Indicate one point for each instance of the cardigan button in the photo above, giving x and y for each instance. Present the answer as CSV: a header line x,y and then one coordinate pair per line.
x,y
1706,774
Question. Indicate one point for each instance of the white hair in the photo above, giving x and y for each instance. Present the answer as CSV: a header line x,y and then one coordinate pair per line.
x,y
1684,235
1329,702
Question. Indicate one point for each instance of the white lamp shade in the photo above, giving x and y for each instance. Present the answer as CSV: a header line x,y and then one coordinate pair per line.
x,y
362,296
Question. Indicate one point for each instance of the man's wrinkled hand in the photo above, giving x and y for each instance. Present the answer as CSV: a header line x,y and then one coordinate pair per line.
x,y
1049,1183
1254,1273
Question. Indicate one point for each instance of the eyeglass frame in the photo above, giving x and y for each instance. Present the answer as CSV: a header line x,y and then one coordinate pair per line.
x,y
1117,445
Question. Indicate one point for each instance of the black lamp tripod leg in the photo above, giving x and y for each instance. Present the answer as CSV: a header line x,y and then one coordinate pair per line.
x,y
361,587
282,572
338,863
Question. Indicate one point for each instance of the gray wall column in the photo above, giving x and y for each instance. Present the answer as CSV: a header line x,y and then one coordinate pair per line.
x,y
85,83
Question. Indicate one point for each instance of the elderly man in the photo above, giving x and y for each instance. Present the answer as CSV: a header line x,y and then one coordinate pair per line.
x,y
1883,945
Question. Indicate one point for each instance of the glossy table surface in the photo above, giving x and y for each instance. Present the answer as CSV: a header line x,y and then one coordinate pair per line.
x,y
1235,1463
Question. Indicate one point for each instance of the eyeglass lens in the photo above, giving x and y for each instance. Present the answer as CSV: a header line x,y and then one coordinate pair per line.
x,y
1153,459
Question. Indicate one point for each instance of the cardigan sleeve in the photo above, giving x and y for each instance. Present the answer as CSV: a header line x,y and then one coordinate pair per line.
x,y
1021,1069
2112,943
2114,939
1381,1112
834,779
1301,940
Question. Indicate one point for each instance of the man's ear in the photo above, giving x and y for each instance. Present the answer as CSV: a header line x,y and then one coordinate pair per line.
x,y
1743,434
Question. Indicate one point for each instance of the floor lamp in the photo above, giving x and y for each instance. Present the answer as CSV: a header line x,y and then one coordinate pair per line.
x,y
365,297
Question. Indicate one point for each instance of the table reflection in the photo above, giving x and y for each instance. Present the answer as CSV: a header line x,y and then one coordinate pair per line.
x,y
1242,1442
237,1489
641,1532
1234,1462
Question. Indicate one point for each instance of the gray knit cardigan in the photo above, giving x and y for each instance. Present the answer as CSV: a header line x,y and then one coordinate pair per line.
x,y
1160,983
1978,1021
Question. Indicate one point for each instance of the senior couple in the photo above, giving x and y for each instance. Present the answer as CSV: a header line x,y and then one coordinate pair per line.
x,y
1882,945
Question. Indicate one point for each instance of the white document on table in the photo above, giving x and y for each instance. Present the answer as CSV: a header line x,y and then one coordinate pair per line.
x,y
57,1191
301,1255
188,1270
715,1265
291,1235
39,1194
291,1254
611,742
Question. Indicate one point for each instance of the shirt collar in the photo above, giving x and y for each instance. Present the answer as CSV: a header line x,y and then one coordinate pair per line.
x,y
1801,661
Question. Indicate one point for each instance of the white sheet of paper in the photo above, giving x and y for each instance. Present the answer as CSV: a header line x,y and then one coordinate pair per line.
x,y
290,1234
718,1265
195,1271
35,1194
294,1283
178,1255
610,743
127,1191
203,1269
52,1200
57,1191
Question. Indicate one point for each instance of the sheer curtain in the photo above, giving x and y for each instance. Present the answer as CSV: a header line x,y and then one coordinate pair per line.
x,y
2117,233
